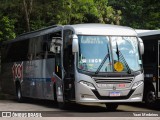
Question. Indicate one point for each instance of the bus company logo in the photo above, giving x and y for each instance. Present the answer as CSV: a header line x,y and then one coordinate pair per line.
x,y
17,71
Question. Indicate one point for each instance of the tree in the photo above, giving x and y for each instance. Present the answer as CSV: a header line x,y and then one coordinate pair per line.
x,y
151,14
31,15
80,11
27,11
6,29
107,14
141,14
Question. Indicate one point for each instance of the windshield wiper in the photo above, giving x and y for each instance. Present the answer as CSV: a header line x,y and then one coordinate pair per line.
x,y
104,60
120,56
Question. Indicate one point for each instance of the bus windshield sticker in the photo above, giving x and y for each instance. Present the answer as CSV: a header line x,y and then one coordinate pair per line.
x,y
118,66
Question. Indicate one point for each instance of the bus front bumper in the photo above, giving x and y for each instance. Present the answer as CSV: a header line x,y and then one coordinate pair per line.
x,y
89,95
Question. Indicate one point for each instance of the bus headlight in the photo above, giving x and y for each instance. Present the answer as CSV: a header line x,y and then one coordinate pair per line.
x,y
87,84
136,84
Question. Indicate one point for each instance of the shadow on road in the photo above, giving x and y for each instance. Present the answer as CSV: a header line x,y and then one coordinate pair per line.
x,y
73,107
156,106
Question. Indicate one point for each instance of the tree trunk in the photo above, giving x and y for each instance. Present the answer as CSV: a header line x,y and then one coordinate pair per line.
x,y
27,11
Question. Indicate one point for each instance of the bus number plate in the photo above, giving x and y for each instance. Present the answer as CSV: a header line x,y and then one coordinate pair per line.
x,y
114,94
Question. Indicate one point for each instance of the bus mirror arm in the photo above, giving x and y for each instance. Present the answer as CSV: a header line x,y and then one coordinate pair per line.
x,y
141,46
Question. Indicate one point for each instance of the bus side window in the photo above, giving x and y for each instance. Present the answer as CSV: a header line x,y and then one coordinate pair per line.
x,y
37,48
46,50
17,51
31,51
149,50
4,52
39,53
46,46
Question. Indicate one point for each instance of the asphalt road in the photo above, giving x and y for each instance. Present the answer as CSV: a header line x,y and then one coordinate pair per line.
x,y
50,109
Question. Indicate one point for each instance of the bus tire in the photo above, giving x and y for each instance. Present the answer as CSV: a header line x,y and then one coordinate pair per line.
x,y
111,106
150,98
63,105
19,93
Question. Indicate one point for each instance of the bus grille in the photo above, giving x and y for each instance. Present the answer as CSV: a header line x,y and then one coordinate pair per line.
x,y
114,80
113,83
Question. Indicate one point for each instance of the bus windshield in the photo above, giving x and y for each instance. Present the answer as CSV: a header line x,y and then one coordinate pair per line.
x,y
108,54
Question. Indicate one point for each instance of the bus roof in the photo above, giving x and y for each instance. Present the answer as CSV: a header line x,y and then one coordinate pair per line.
x,y
36,33
85,29
148,34
101,29
142,33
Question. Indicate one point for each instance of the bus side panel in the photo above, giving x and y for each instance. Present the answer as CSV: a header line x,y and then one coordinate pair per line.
x,y
27,73
7,82
48,88
37,78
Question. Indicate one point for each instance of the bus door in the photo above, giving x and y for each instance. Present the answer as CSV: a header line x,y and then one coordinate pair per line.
x,y
158,69
56,49
57,74
68,63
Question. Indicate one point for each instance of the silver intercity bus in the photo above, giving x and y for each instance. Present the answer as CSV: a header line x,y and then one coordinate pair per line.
x,y
83,63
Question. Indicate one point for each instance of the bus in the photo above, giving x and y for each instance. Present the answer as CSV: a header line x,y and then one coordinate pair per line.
x,y
81,63
151,64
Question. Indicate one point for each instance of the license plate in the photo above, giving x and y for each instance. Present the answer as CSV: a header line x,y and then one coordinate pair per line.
x,y
114,94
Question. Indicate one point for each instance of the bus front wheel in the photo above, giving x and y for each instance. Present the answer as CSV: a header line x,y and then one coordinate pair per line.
x,y
111,107
63,105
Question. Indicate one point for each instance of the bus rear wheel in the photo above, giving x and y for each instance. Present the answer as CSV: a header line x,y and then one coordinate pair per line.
x,y
111,106
19,93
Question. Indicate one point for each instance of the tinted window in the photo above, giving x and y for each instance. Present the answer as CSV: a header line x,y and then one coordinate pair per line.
x,y
17,51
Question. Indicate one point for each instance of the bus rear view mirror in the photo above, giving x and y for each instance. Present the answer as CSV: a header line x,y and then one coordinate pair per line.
x,y
141,46
75,44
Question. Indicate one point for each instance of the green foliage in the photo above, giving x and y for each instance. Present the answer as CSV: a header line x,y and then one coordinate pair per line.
x,y
6,29
142,14
45,13
107,14
80,11
137,14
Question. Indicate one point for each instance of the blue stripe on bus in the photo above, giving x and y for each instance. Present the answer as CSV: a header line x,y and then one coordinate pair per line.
x,y
38,79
